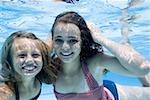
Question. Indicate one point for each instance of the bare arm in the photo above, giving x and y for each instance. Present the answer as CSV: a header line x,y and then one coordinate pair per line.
x,y
126,55
145,80
5,92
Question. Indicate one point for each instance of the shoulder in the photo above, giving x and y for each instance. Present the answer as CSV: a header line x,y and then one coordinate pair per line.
x,y
101,60
5,91
96,63
104,62
4,88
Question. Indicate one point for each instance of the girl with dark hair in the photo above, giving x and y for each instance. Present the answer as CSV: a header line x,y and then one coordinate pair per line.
x,y
84,63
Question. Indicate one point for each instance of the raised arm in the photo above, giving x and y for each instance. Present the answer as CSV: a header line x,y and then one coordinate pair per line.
x,y
126,55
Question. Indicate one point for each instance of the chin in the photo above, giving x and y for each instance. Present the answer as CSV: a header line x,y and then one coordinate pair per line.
x,y
67,60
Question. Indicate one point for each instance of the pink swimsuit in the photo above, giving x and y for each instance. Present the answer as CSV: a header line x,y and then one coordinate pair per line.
x,y
96,92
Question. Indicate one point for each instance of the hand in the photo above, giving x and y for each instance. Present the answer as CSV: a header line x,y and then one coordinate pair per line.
x,y
95,31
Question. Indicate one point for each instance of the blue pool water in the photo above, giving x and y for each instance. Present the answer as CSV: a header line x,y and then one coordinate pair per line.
x,y
111,16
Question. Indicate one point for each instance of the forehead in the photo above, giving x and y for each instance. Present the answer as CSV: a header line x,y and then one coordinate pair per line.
x,y
24,43
66,29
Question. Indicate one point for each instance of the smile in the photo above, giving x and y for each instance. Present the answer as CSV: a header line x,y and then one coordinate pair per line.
x,y
66,55
29,69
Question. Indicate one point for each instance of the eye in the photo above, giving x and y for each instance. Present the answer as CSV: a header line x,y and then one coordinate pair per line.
x,y
22,55
73,41
36,55
58,41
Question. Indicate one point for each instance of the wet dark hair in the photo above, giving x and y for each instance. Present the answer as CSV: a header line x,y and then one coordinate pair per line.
x,y
70,1
48,74
88,46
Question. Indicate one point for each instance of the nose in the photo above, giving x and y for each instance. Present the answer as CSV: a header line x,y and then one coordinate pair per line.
x,y
65,46
29,59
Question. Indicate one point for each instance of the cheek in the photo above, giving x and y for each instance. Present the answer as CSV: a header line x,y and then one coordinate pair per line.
x,y
76,47
39,61
17,61
57,48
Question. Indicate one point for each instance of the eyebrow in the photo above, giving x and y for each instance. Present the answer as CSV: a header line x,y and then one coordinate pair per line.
x,y
68,37
58,36
71,37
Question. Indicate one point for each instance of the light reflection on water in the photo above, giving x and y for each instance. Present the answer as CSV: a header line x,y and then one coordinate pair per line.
x,y
118,20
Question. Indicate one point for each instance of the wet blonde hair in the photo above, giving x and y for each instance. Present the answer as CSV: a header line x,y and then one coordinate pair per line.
x,y
49,71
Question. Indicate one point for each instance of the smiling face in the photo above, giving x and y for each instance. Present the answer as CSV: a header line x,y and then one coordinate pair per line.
x,y
67,41
27,58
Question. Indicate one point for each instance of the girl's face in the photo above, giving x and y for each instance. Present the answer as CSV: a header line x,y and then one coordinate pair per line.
x,y
26,57
67,41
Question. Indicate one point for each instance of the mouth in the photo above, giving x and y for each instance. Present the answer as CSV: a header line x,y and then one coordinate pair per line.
x,y
66,55
29,69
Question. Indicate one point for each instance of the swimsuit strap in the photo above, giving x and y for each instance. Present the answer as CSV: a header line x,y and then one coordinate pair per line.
x,y
92,83
36,97
17,92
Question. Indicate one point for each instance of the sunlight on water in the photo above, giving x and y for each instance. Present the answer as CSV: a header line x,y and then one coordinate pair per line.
x,y
125,21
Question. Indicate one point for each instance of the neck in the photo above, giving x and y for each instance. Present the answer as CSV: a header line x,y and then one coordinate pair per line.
x,y
27,83
72,67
